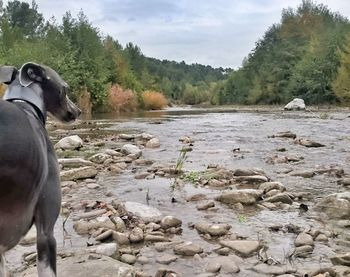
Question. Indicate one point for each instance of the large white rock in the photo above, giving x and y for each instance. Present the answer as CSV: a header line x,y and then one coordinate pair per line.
x,y
130,149
69,143
146,213
295,104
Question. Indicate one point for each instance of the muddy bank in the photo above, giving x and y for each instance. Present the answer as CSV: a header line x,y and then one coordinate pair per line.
x,y
205,194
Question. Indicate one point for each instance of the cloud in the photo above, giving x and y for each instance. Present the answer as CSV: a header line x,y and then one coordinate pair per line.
x,y
219,33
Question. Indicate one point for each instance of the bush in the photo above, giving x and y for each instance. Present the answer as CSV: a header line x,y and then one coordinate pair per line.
x,y
153,100
121,100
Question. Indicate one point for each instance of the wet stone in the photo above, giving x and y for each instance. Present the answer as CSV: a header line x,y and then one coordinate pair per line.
x,y
341,259
169,222
127,258
304,239
205,206
242,247
187,249
166,259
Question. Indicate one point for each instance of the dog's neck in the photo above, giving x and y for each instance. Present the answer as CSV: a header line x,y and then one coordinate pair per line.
x,y
32,94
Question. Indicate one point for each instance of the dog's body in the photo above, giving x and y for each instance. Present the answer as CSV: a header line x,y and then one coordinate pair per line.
x,y
29,173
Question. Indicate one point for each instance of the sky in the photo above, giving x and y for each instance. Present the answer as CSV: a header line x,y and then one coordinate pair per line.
x,y
219,33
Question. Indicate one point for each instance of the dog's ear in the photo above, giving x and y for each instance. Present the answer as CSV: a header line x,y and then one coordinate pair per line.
x,y
7,74
31,72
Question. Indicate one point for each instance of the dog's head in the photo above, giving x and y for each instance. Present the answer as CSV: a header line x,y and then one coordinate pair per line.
x,y
41,78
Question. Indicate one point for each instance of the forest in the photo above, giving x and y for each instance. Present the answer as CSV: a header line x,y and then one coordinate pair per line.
x,y
306,55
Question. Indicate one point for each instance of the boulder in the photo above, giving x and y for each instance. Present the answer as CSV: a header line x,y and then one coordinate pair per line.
x,y
244,196
144,212
336,206
69,143
130,149
295,105
78,173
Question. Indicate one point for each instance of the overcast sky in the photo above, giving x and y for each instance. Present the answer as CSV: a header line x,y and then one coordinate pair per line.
x,y
213,32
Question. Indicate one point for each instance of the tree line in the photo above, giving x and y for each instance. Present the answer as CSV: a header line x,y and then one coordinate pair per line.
x,y
306,55
92,64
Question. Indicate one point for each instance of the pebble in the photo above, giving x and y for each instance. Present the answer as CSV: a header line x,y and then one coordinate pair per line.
x,y
127,258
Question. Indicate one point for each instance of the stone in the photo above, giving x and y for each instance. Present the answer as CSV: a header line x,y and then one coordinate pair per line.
x,y
252,179
153,143
107,249
267,186
273,270
93,186
105,235
303,173
144,212
127,258
163,272
321,237
308,143
244,196
205,206
295,104
142,175
212,229
304,239
243,247
156,238
130,149
335,206
166,259
142,260
99,158
69,143
286,134
169,222
346,182
78,173
226,265
248,172
82,266
303,251
341,259
121,238
136,235
187,249
279,197
74,162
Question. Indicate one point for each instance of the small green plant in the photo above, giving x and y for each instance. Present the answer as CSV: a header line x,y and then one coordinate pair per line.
x,y
242,218
324,116
193,176
181,160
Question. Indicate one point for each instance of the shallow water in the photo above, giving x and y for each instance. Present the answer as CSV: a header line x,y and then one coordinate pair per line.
x,y
216,134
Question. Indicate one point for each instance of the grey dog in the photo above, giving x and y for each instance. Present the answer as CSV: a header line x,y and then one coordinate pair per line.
x,y
29,174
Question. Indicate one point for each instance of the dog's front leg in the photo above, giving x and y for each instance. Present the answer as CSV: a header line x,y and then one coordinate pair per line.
x,y
47,211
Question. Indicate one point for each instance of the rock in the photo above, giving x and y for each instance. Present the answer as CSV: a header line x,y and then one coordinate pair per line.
x,y
252,179
74,162
143,260
205,206
136,235
107,249
341,259
187,249
105,235
93,186
156,238
295,104
212,229
267,186
170,221
345,182
142,175
279,197
303,173
244,196
303,251
119,224
69,143
112,153
127,136
308,143
336,206
83,266
273,270
248,172
78,173
286,134
162,272
130,149
153,143
127,258
99,158
321,237
196,197
121,238
224,251
146,213
186,140
304,239
166,259
243,247
226,265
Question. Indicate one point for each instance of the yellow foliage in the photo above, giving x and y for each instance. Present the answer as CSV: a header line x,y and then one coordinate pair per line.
x,y
154,100
2,89
121,100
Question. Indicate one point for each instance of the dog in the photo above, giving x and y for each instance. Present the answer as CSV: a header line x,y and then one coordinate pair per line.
x,y
30,191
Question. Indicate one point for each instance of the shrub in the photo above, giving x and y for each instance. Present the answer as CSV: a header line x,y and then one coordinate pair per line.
x,y
121,100
153,100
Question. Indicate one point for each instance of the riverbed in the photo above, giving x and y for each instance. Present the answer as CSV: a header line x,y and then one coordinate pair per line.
x,y
229,139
